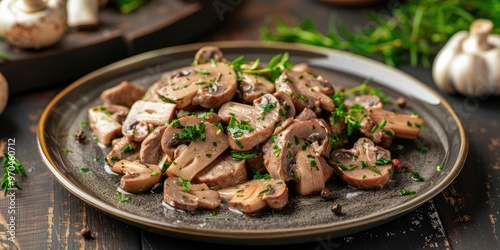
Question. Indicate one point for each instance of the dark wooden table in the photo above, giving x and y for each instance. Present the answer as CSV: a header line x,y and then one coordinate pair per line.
x,y
464,216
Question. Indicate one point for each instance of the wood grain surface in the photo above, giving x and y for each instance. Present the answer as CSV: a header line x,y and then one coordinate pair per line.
x,y
464,216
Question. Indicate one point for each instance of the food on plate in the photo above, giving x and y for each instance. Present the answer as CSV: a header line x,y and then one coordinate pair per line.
x,y
246,134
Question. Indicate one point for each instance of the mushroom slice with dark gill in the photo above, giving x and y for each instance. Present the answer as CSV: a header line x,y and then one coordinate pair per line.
x,y
206,85
207,54
181,194
306,90
283,148
205,142
144,116
137,177
248,126
103,123
365,166
124,94
310,172
224,172
254,86
254,195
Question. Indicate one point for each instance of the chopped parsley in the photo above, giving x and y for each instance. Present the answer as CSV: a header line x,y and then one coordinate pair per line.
x,y
242,155
185,185
416,177
267,108
439,167
202,72
192,133
407,192
382,161
239,128
267,189
128,149
85,170
259,176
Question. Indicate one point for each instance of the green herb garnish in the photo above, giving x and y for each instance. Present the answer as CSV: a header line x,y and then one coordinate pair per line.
x,y
242,155
128,149
11,167
406,192
185,185
416,177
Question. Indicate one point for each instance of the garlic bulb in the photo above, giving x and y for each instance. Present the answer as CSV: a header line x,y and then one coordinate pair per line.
x,y
32,23
469,63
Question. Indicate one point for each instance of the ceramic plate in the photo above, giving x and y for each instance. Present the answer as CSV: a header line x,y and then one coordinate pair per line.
x,y
441,142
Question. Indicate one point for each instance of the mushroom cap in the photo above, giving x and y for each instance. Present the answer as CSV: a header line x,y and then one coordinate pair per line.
x,y
138,177
283,149
364,155
206,85
4,93
189,197
306,90
250,125
37,29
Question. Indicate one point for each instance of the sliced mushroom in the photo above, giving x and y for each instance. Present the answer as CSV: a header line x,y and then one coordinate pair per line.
x,y
123,149
254,86
206,142
254,195
144,115
224,172
367,101
103,124
248,126
306,90
310,172
151,151
401,125
124,94
138,177
181,194
281,150
207,54
365,166
306,115
206,85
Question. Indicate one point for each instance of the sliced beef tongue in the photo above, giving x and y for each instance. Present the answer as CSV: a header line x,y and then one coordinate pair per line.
x,y
206,85
181,194
306,90
124,94
137,176
104,124
144,116
224,172
255,195
281,149
249,126
205,142
365,166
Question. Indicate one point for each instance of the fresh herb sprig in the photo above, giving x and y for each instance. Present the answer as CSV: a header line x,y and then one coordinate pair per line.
x,y
414,32
273,70
11,167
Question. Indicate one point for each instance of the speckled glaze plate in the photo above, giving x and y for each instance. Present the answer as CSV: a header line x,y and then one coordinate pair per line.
x,y
441,142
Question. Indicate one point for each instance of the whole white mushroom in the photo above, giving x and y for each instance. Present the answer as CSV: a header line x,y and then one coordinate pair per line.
x,y
4,93
32,23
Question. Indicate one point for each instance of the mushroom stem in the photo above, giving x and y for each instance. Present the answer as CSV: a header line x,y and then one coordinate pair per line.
x,y
30,6
478,36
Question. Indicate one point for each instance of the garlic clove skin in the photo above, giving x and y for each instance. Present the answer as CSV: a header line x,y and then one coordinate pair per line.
x,y
443,60
4,93
32,24
469,73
